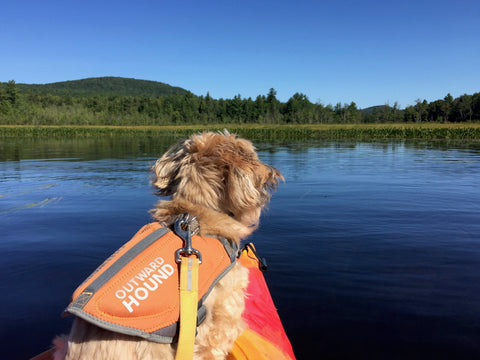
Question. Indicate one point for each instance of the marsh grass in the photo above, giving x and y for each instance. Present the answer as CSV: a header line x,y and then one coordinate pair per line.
x,y
261,132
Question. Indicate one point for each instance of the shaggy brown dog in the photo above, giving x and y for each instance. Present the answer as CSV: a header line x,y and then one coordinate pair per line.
x,y
218,178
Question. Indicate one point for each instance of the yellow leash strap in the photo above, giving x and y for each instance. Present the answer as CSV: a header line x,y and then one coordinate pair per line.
x,y
188,307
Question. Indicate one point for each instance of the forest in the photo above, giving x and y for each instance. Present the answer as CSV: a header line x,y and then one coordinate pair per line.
x,y
119,101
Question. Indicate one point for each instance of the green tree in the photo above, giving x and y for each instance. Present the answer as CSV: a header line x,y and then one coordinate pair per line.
x,y
476,106
386,113
251,115
341,112
410,114
298,109
12,92
189,108
421,108
447,107
397,114
235,109
352,115
463,107
261,107
207,108
326,113
5,105
273,106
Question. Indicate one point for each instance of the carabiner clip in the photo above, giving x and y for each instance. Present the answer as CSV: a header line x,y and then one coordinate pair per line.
x,y
186,235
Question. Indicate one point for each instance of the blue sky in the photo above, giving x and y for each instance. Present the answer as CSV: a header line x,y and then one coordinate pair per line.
x,y
370,52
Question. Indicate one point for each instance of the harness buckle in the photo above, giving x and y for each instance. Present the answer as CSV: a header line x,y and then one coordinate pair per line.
x,y
182,229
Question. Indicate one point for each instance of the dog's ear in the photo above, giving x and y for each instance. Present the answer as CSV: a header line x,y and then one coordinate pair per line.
x,y
270,177
251,186
242,192
190,171
165,170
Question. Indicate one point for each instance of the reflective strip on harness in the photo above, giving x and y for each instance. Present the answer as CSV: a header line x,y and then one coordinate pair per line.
x,y
136,290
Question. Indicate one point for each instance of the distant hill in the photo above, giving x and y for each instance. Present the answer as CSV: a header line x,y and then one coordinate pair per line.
x,y
104,86
371,109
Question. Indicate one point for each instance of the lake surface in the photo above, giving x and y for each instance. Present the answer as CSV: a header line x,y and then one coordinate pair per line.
x,y
373,248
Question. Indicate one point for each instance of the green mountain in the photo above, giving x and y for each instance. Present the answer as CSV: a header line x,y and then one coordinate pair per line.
x,y
103,86
371,110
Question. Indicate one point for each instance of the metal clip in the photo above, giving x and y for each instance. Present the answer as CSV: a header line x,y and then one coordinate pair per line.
x,y
182,229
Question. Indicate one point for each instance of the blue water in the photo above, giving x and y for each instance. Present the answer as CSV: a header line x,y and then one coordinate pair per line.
x,y
373,248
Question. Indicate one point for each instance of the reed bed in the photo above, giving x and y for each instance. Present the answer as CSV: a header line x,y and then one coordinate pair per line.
x,y
469,131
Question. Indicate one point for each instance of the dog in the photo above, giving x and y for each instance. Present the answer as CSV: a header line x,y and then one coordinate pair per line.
x,y
219,179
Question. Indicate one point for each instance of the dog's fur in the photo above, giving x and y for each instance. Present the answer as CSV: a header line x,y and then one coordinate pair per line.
x,y
218,178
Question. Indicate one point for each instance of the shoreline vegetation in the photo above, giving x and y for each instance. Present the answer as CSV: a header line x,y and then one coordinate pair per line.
x,y
429,131
113,101
113,106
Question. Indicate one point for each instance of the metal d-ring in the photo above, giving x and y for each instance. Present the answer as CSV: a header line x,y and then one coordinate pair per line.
x,y
182,229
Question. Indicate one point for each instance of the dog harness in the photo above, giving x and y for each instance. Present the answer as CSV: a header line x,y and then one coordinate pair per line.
x,y
136,290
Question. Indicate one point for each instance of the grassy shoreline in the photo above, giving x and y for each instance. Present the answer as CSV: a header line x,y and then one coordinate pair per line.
x,y
470,131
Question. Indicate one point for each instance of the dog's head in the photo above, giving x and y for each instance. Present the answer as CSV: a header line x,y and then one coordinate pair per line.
x,y
218,171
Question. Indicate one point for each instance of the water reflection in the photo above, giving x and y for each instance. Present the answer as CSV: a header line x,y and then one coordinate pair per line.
x,y
127,146
84,148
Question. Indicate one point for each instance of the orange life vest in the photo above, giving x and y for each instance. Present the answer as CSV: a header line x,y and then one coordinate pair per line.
x,y
126,294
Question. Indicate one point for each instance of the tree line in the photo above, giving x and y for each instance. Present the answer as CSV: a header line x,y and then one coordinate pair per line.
x,y
28,108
